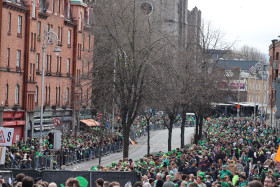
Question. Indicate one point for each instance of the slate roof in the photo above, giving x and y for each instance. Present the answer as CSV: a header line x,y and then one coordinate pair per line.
x,y
229,64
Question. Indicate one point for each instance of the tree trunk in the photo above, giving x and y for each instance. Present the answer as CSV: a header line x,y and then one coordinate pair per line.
x,y
126,130
148,142
170,133
183,129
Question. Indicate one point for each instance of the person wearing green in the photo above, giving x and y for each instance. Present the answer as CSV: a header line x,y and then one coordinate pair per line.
x,y
243,181
225,172
235,179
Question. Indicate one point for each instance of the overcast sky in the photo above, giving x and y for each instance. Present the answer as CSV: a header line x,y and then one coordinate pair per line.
x,y
249,22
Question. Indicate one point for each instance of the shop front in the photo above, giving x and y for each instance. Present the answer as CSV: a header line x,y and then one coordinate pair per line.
x,y
15,120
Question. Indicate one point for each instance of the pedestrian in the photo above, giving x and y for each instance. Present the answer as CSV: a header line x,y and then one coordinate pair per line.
x,y
27,181
168,182
99,182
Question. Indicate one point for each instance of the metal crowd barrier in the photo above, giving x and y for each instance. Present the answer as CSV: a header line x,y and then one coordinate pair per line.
x,y
70,158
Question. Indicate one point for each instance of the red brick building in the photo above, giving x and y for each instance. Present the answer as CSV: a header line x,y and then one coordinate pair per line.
x,y
274,50
22,25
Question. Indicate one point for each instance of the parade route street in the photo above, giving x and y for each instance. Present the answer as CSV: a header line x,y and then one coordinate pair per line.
x,y
158,142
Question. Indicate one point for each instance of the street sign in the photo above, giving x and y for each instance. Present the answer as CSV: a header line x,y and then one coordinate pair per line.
x,y
6,136
238,106
56,122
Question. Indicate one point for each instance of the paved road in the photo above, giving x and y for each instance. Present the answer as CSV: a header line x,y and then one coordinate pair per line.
x,y
158,142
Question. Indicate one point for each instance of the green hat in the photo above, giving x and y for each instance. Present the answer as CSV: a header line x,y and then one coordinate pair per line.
x,y
179,153
94,169
169,153
83,181
152,163
224,166
113,164
174,150
144,163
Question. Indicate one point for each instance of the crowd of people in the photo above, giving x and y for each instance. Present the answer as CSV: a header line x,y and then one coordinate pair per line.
x,y
22,180
233,152
27,153
22,154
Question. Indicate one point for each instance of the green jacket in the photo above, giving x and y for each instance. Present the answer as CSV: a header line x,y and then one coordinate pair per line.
x,y
225,173
235,179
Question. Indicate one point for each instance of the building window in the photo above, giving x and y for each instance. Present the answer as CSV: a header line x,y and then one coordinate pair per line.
x,y
18,58
8,57
88,42
49,96
39,30
58,6
7,93
36,94
56,95
88,16
83,41
19,25
69,38
53,5
68,10
57,64
34,9
80,22
17,95
67,95
34,44
37,61
30,75
9,23
59,96
31,48
60,60
68,65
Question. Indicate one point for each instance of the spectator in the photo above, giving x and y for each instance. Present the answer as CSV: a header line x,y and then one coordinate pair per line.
x,y
99,182
27,181
72,182
114,184
52,184
168,182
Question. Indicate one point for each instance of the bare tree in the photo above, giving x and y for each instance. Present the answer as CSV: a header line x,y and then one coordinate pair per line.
x,y
204,75
126,49
251,54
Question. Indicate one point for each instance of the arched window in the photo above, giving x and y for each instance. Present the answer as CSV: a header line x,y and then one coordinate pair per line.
x,y
17,94
80,22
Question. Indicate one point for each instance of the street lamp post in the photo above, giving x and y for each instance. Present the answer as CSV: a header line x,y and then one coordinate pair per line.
x,y
49,37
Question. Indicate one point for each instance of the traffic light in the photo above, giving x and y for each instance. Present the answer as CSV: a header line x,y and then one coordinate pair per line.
x,y
51,140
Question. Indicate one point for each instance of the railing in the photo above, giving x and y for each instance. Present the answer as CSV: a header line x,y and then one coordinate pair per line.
x,y
77,156
70,158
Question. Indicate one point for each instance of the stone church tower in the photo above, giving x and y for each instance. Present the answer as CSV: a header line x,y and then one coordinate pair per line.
x,y
176,20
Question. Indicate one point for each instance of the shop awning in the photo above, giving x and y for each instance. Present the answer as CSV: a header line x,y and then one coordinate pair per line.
x,y
90,122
